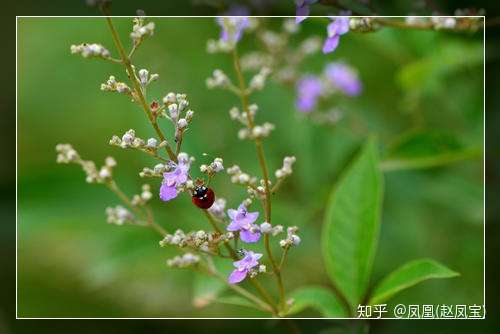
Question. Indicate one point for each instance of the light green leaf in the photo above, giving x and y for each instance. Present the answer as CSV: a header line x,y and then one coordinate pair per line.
x,y
319,298
352,223
424,149
206,289
407,276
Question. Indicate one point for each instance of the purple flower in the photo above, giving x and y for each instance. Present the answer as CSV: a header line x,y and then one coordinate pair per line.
x,y
338,26
309,89
243,267
243,221
302,9
179,175
233,24
344,78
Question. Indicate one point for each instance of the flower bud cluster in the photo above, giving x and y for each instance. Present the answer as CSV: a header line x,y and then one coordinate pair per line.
x,y
199,240
218,45
252,61
259,191
130,140
440,22
219,79
142,198
273,41
156,171
257,132
215,167
253,272
238,177
112,85
140,30
286,170
90,50
119,215
218,208
259,80
292,238
310,45
175,106
67,154
242,117
267,228
145,78
363,24
183,261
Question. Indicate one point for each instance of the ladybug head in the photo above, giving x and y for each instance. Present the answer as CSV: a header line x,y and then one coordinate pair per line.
x,y
200,191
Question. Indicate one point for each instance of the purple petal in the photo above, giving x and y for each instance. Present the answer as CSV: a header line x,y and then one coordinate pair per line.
x,y
167,192
242,208
249,237
249,218
331,44
342,25
237,276
232,213
301,12
233,226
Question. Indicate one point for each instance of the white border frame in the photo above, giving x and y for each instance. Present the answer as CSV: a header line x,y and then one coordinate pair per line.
x,y
266,318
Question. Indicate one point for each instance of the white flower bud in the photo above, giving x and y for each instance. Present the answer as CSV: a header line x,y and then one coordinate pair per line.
x,y
110,162
182,123
295,239
143,76
169,98
266,228
152,142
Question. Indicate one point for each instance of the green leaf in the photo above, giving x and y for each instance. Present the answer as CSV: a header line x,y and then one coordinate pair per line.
x,y
424,149
407,276
206,289
352,223
319,298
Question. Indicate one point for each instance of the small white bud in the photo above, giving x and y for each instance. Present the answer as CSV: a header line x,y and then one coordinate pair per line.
x,y
143,76
182,123
152,142
265,227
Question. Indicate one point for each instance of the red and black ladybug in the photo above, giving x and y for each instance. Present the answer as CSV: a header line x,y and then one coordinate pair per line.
x,y
203,197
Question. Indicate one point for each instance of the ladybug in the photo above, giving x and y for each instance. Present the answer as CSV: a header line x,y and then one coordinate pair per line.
x,y
203,197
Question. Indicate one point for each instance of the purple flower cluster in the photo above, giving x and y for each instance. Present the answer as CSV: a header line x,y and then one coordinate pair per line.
x,y
171,180
344,78
244,222
309,89
338,26
302,9
233,23
337,76
243,267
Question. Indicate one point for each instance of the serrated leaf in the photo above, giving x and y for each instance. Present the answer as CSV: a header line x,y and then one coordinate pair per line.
x,y
352,223
424,149
318,298
407,276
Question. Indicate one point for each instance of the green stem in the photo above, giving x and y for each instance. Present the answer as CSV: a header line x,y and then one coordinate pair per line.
x,y
137,86
234,256
265,174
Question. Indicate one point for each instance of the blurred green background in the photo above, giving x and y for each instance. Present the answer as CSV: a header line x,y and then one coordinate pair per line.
x,y
72,264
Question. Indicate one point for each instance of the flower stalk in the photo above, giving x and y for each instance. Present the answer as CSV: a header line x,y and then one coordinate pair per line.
x,y
243,94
